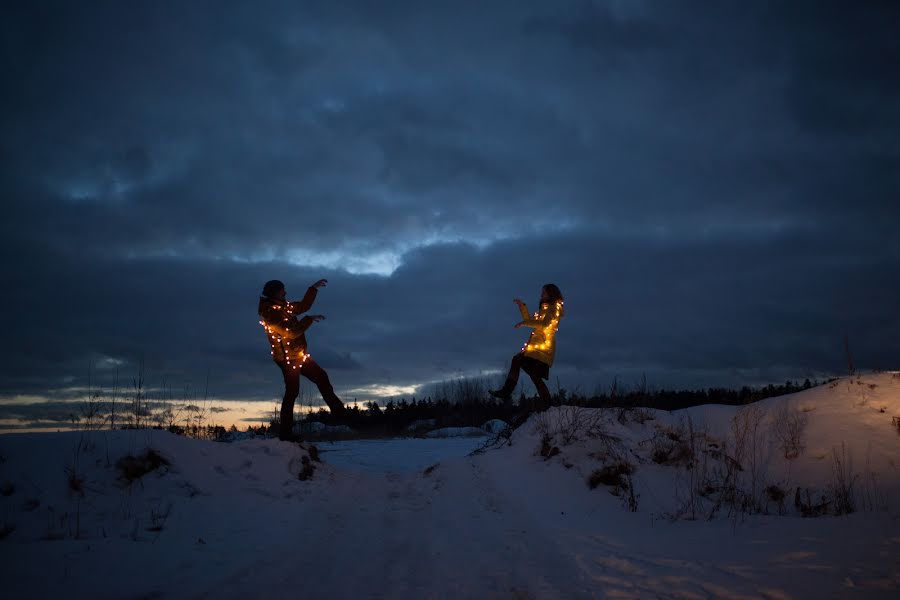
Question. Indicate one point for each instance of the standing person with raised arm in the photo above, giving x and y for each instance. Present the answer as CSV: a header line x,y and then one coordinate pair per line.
x,y
537,354
287,336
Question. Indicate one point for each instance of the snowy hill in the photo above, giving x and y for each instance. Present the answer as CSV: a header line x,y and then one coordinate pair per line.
x,y
707,502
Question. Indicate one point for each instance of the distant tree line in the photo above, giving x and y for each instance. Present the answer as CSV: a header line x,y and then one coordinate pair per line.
x,y
465,403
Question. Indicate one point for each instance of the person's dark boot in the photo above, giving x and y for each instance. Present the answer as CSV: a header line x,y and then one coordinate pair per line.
x,y
338,414
502,394
335,406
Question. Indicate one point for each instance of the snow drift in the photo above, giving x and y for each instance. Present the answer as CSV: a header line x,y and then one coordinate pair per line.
x,y
792,497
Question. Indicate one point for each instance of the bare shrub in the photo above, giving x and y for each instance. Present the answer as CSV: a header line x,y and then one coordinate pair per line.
x,y
777,494
548,450
498,440
613,476
75,481
91,411
683,447
641,415
140,410
747,435
807,507
842,481
158,517
841,496
132,468
871,496
721,475
169,416
616,476
790,429
567,424
671,445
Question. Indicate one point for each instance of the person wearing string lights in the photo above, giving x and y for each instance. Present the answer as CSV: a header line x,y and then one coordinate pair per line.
x,y
287,336
537,354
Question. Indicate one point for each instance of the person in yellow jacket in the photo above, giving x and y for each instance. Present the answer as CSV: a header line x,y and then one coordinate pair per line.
x,y
287,337
537,354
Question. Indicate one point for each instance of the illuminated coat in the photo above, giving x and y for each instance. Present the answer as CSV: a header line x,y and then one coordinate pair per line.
x,y
541,345
285,331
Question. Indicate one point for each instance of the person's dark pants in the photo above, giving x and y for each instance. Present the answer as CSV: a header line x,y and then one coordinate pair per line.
x,y
312,371
535,370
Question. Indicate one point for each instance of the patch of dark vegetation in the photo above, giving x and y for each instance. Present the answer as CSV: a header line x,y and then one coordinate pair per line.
x,y
314,453
807,507
548,450
307,470
615,476
777,495
75,481
132,468
671,446
7,488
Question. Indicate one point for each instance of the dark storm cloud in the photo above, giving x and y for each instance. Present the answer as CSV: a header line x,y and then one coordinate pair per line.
x,y
712,185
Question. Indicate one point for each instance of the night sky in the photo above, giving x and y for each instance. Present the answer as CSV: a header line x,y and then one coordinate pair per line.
x,y
715,187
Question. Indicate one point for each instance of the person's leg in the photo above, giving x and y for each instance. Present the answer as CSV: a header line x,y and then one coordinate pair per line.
x,y
543,392
291,390
512,378
312,371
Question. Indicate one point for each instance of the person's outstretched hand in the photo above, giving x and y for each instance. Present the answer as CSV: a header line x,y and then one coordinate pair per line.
x,y
519,303
320,283
317,318
519,325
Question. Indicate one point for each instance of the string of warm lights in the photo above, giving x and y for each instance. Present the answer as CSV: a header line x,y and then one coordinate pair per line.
x,y
279,344
546,332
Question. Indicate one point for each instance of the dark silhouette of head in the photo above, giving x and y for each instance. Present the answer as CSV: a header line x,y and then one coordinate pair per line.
x,y
272,289
551,293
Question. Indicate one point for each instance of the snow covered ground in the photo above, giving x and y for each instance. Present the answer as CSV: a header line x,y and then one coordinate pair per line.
x,y
378,519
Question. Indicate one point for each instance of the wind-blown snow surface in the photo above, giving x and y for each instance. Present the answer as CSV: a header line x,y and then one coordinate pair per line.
x,y
234,520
